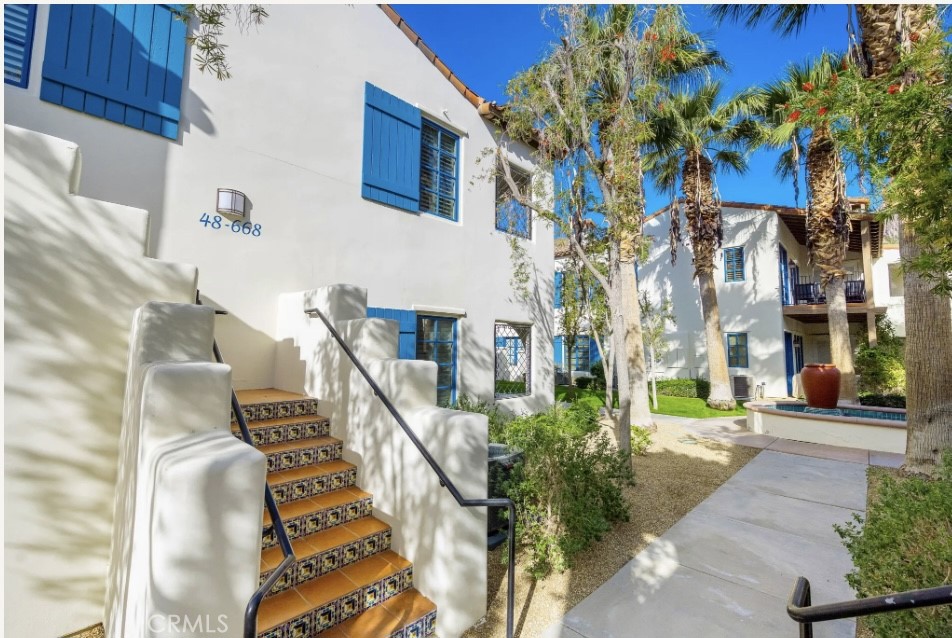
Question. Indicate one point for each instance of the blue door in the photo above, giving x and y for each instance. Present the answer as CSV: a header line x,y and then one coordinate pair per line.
x,y
789,360
408,327
784,278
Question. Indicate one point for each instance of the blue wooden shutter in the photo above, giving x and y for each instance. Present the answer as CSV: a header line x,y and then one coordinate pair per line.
x,y
559,285
18,21
391,150
558,349
408,326
120,62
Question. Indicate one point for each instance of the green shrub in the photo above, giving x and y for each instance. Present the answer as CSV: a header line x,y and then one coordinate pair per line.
x,y
598,376
568,487
883,400
687,388
905,543
497,419
582,383
881,368
640,440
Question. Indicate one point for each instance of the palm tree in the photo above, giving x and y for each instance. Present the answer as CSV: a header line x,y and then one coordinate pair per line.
x,y
886,30
828,224
694,136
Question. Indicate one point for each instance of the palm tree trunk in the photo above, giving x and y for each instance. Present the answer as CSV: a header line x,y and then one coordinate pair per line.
x,y
619,340
928,356
703,214
634,350
840,348
721,397
828,240
928,363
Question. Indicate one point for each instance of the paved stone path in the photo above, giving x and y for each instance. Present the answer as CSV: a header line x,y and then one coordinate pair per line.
x,y
727,568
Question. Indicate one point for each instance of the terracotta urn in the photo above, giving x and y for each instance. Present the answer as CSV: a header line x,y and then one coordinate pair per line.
x,y
821,384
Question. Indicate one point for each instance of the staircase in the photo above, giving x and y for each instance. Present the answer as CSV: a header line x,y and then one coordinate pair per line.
x,y
346,581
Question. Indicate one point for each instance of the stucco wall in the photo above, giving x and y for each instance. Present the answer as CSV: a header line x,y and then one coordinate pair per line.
x,y
751,306
287,130
75,273
895,306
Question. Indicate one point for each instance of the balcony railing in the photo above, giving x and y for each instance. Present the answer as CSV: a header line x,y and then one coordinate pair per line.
x,y
805,291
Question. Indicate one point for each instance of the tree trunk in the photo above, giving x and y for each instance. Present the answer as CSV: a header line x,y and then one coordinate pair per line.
x,y
654,382
721,398
634,348
928,363
619,345
841,351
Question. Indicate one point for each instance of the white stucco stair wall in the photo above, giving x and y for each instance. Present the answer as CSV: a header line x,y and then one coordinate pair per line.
x,y
75,272
445,542
187,530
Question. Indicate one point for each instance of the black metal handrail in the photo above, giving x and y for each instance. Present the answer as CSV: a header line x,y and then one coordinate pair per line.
x,y
444,479
251,611
800,608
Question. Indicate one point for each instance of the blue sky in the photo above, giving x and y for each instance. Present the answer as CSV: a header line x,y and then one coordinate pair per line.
x,y
485,45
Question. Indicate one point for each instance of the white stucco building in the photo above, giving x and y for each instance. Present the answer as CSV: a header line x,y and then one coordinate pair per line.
x,y
342,151
773,314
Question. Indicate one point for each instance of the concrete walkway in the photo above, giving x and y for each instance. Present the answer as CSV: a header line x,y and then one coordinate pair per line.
x,y
727,568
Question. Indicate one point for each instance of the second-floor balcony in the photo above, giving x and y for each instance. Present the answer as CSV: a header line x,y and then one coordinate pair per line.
x,y
805,291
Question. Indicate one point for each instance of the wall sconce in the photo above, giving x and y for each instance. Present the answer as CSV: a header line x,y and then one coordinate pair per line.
x,y
231,202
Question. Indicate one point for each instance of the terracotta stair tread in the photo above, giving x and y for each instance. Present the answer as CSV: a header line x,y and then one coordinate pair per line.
x,y
269,395
308,471
288,420
300,444
386,618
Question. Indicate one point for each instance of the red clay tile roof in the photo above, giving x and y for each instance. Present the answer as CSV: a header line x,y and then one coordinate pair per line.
x,y
486,108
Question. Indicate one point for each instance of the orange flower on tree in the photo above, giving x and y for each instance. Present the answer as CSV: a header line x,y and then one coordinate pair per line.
x,y
807,86
667,55
822,110
794,116
892,88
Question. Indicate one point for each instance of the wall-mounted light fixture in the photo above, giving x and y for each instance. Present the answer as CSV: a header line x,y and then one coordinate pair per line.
x,y
231,202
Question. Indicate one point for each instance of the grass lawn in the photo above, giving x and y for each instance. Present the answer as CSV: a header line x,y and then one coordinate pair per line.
x,y
673,406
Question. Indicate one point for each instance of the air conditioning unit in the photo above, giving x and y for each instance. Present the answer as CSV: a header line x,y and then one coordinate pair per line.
x,y
742,386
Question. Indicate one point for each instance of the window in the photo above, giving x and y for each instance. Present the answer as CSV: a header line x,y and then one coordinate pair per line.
x,y
581,353
559,286
511,216
438,161
896,285
122,63
513,354
409,162
737,349
436,341
18,21
734,264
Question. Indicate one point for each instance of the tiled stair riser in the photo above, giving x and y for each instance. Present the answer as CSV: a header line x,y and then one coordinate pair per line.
x,y
290,459
313,485
311,567
287,432
314,522
351,604
279,409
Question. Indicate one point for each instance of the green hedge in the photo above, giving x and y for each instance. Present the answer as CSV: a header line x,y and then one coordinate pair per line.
x,y
688,388
883,400
905,543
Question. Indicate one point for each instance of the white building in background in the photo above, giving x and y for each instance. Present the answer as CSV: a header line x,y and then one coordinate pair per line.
x,y
342,151
773,313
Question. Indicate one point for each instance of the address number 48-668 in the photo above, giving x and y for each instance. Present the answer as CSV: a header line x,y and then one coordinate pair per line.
x,y
246,228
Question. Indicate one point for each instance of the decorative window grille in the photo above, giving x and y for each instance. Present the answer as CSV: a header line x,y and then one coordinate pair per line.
x,y
511,216
513,355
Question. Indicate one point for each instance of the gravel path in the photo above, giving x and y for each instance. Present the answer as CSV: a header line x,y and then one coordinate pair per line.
x,y
678,473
